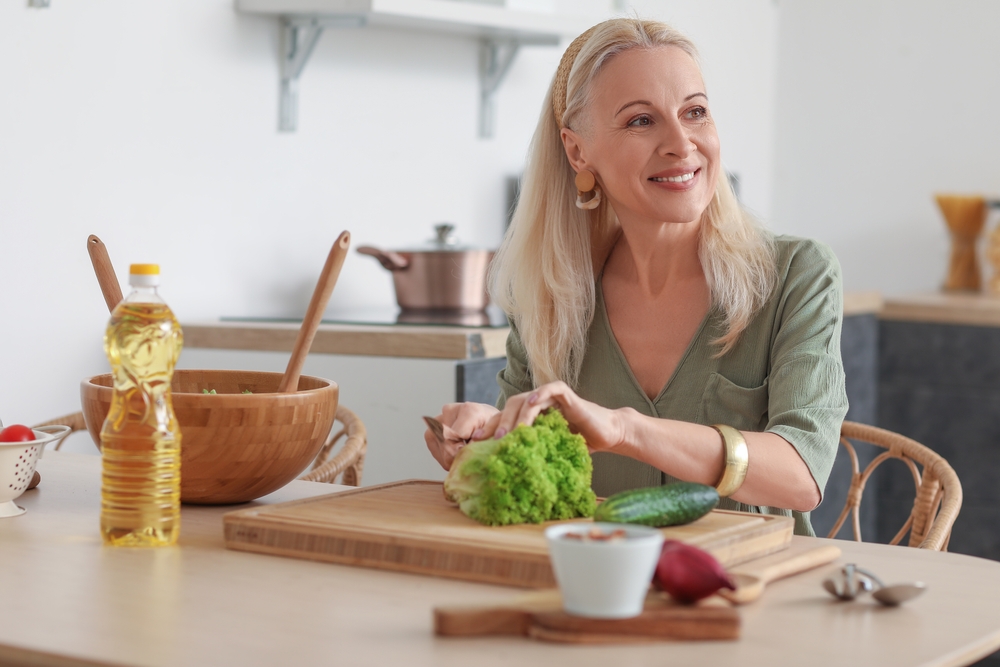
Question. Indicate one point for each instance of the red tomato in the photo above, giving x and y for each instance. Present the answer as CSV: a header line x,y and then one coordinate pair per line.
x,y
16,433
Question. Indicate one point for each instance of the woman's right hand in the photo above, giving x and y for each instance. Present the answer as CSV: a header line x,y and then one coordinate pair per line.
x,y
462,422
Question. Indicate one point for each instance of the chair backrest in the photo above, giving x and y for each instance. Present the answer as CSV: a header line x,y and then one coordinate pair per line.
x,y
74,420
350,460
938,490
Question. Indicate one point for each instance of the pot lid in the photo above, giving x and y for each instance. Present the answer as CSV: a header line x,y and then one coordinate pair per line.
x,y
445,238
444,241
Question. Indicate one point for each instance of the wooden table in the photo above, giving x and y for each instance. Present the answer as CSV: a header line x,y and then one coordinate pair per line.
x,y
69,601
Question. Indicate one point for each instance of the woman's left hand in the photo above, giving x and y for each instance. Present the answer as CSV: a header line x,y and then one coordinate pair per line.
x,y
603,429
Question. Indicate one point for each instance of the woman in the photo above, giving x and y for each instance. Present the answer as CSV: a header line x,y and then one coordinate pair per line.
x,y
678,337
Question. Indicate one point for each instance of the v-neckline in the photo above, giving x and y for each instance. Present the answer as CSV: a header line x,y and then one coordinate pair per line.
x,y
624,360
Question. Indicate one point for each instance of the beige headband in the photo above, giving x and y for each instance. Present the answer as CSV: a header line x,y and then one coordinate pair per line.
x,y
562,75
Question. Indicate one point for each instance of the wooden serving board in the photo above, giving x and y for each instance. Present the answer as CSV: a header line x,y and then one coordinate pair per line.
x,y
408,526
539,615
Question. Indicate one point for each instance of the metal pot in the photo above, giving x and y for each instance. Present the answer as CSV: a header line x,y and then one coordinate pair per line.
x,y
444,276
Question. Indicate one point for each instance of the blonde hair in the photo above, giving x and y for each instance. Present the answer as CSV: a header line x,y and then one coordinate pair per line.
x,y
543,275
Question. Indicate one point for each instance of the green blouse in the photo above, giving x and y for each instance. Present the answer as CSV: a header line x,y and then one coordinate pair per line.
x,y
784,375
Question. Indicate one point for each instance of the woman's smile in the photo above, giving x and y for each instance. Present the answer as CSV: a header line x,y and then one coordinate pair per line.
x,y
676,179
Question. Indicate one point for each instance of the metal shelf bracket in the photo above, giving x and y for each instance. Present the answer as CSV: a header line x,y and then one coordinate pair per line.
x,y
299,36
495,58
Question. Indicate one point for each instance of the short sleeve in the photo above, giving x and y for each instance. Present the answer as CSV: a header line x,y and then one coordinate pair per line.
x,y
807,399
515,378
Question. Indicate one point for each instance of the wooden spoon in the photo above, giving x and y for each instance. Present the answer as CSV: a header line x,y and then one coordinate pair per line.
x,y
750,583
321,295
105,272
314,314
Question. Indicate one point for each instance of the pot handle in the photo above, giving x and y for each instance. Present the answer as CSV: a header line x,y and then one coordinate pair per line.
x,y
392,261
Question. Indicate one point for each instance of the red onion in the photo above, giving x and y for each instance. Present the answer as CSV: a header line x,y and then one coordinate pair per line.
x,y
688,573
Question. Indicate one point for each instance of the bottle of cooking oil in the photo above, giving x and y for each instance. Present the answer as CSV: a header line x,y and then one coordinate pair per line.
x,y
140,439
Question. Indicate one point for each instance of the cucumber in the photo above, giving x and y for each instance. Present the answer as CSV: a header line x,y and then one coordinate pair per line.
x,y
669,505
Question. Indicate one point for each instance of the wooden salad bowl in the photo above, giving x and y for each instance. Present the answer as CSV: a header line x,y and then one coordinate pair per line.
x,y
235,447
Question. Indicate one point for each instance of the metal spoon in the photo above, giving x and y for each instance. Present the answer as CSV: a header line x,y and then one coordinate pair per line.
x,y
853,580
897,594
850,582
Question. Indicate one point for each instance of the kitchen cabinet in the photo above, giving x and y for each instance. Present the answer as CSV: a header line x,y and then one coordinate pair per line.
x,y
926,366
939,383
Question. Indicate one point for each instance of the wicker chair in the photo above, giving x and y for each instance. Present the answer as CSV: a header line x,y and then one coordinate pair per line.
x,y
349,461
938,490
75,422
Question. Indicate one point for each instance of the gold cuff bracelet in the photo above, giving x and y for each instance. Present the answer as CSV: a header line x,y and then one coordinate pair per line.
x,y
737,460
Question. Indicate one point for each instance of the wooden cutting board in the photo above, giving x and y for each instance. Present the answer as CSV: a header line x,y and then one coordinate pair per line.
x,y
539,615
408,526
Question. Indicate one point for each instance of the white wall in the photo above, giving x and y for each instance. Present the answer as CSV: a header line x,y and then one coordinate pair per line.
x,y
153,125
881,104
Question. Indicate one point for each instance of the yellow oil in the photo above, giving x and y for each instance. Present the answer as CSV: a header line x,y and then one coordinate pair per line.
x,y
140,439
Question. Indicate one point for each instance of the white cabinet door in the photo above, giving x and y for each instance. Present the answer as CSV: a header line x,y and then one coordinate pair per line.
x,y
388,394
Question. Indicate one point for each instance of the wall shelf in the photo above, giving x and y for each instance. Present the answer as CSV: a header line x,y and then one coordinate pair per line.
x,y
500,32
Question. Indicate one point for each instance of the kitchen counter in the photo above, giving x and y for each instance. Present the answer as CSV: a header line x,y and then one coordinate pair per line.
x,y
967,308
391,339
862,303
396,340
70,602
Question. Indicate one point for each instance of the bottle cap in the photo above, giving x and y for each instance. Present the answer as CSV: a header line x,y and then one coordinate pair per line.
x,y
144,269
144,275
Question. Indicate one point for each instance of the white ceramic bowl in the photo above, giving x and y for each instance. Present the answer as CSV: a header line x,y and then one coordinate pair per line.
x,y
17,465
604,579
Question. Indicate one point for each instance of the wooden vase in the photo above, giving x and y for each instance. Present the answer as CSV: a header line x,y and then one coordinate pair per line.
x,y
965,217
993,256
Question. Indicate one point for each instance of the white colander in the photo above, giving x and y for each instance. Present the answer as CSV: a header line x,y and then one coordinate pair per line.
x,y
17,465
